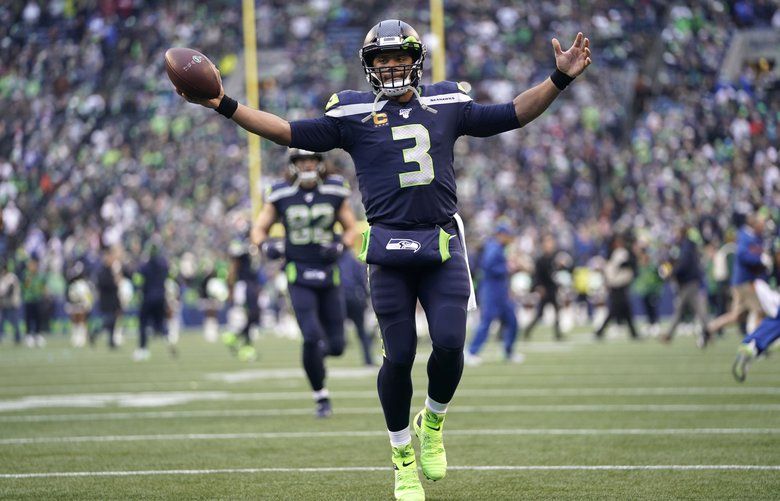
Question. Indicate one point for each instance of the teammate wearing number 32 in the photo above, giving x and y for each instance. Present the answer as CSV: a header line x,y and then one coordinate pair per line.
x,y
401,139
309,203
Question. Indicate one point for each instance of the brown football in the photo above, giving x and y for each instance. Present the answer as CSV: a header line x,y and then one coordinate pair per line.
x,y
192,73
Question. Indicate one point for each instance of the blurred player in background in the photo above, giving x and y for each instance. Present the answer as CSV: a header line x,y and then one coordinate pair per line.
x,y
172,313
722,265
213,292
619,274
750,264
33,293
10,300
109,276
402,147
152,315
495,302
546,286
688,274
758,342
309,203
648,286
80,299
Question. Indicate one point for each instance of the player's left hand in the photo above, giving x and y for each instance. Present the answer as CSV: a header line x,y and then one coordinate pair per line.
x,y
208,103
332,252
576,59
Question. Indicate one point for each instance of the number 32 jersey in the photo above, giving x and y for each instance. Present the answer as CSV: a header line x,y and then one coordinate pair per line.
x,y
403,154
308,216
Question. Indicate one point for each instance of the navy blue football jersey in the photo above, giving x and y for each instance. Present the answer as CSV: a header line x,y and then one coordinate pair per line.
x,y
403,155
308,216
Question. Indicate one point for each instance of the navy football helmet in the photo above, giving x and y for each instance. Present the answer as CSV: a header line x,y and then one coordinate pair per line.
x,y
392,34
306,176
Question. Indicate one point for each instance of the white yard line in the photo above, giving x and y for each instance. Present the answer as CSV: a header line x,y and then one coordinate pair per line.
x,y
384,469
169,398
356,434
467,409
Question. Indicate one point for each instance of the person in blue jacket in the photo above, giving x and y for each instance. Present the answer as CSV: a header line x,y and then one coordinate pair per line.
x,y
750,264
494,299
758,342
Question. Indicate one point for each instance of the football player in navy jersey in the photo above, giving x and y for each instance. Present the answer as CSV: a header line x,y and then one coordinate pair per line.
x,y
309,203
401,137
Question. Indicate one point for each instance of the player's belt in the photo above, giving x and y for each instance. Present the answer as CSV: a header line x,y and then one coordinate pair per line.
x,y
405,247
312,274
450,225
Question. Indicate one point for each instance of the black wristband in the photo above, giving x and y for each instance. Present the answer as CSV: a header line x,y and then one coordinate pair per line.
x,y
227,107
560,79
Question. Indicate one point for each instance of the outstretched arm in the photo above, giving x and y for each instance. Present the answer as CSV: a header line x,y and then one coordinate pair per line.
x,y
532,103
262,123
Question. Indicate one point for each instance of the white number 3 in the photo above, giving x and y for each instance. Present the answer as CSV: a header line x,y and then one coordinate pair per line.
x,y
417,154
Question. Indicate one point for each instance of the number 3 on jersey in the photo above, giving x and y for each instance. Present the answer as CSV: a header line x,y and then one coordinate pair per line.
x,y
417,154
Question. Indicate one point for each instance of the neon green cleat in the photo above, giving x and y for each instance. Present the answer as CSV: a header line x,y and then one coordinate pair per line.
x,y
745,355
427,427
230,339
247,353
407,481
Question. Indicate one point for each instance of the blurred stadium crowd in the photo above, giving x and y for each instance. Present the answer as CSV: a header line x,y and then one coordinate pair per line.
x,y
97,151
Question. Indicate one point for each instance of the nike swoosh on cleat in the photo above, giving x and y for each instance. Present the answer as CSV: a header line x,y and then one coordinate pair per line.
x,y
438,428
407,464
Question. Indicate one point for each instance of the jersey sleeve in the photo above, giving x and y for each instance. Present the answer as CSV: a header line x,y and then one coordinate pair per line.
x,y
320,134
316,134
482,120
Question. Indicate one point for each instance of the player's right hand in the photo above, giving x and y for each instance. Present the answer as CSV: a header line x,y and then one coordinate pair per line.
x,y
576,59
273,249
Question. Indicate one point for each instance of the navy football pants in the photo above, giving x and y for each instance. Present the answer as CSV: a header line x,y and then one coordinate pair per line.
x,y
443,291
494,307
320,314
152,315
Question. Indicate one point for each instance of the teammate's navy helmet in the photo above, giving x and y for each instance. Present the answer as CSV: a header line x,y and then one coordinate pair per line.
x,y
299,154
392,34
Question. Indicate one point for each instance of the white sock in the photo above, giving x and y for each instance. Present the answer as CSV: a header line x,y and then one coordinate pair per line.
x,y
211,329
173,331
319,395
399,438
435,407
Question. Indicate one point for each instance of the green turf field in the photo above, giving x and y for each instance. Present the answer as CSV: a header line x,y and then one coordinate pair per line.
x,y
577,420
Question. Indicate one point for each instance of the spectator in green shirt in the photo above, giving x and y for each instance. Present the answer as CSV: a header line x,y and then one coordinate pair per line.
x,y
33,291
648,285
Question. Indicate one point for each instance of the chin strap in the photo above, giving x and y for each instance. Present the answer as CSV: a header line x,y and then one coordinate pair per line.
x,y
382,93
423,105
373,106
